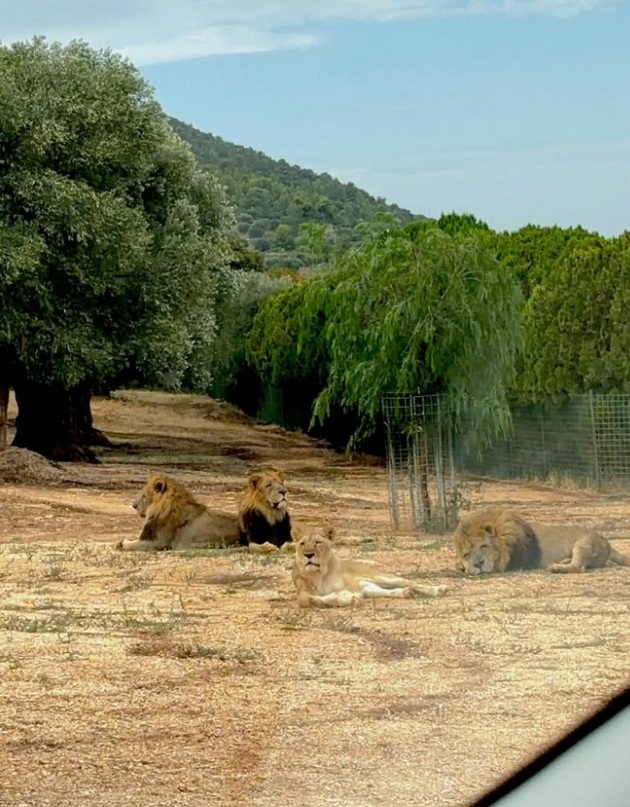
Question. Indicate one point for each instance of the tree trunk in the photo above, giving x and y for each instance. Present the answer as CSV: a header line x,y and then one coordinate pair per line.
x,y
55,422
81,418
4,404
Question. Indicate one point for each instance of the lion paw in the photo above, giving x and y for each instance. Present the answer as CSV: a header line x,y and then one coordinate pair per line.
x,y
119,545
564,568
357,599
441,591
261,549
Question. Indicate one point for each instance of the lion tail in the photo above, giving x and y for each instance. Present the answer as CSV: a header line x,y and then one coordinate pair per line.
x,y
618,558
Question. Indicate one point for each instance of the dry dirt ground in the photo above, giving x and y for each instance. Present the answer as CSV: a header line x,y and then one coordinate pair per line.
x,y
194,679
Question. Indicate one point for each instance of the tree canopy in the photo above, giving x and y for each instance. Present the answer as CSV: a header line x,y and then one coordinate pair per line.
x,y
577,326
414,309
112,239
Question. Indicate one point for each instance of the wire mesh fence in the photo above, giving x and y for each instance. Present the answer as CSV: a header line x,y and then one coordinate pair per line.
x,y
420,462
584,442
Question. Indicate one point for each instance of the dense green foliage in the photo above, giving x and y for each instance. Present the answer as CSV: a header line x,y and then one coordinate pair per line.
x,y
113,242
273,200
235,315
577,323
432,307
533,251
413,309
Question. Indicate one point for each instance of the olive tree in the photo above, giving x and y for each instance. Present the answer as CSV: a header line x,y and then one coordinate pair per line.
x,y
113,242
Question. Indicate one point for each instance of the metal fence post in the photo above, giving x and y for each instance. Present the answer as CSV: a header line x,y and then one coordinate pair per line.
x,y
594,438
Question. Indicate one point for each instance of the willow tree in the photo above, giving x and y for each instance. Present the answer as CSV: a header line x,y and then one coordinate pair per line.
x,y
111,240
414,310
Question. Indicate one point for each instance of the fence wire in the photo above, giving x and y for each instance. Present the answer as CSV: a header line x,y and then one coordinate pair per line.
x,y
582,442
585,441
420,462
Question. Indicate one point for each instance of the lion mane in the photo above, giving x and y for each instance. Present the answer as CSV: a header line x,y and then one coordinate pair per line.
x,y
500,540
322,578
174,519
263,517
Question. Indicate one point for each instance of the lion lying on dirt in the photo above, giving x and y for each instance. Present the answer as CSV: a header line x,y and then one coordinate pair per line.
x,y
176,520
263,518
499,540
321,577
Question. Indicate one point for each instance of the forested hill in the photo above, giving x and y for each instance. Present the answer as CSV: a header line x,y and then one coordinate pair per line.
x,y
273,199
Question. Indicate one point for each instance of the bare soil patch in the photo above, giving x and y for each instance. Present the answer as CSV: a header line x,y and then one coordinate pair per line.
x,y
193,679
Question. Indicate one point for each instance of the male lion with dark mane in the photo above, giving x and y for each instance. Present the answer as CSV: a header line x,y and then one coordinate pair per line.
x,y
176,520
321,577
263,516
499,540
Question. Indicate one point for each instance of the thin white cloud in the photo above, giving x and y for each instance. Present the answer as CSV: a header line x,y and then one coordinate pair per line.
x,y
154,31
553,8
215,41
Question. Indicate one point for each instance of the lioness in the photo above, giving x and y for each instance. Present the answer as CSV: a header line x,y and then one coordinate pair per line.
x,y
499,540
263,518
321,577
176,520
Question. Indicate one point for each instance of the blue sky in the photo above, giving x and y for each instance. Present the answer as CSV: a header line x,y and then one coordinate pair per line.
x,y
514,110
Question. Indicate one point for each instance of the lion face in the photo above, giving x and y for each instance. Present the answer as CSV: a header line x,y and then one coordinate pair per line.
x,y
154,488
269,485
313,550
476,548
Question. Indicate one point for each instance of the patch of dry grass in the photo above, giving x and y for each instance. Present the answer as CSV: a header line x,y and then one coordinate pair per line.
x,y
169,647
192,679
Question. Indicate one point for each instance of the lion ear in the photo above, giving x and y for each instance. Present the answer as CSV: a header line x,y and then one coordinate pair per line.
x,y
330,532
159,486
489,529
297,531
254,480
280,476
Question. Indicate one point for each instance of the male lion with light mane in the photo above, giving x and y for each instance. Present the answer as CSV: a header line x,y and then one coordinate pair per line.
x,y
498,540
321,577
176,520
263,516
